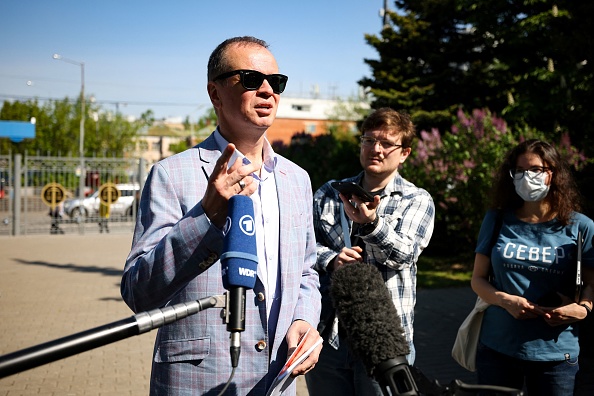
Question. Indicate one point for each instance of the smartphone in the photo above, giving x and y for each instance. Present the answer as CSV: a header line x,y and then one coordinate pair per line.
x,y
551,299
349,189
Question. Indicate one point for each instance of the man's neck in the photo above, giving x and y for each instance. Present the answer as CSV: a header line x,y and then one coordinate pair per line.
x,y
248,144
372,182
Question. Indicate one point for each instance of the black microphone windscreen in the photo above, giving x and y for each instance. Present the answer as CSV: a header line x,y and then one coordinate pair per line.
x,y
366,311
375,334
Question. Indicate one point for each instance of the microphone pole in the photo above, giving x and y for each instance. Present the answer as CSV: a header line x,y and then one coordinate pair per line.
x,y
239,266
143,322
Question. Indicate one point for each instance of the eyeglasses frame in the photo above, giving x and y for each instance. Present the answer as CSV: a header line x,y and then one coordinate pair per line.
x,y
541,170
381,142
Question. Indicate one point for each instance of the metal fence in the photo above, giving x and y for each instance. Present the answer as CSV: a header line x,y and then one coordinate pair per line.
x,y
5,188
26,209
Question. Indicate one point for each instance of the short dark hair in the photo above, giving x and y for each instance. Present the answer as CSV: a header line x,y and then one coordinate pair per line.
x,y
563,195
391,120
217,64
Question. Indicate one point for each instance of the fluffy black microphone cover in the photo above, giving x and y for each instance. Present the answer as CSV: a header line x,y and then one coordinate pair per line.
x,y
366,311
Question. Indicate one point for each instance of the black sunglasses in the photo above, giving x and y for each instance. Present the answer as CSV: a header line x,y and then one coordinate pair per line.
x,y
252,79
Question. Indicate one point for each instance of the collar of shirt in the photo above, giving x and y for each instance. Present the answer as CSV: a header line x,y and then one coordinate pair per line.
x,y
268,154
267,225
394,186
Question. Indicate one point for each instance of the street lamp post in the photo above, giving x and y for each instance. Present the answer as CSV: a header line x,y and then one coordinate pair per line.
x,y
81,140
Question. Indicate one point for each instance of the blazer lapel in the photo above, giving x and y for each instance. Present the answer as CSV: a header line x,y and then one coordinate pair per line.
x,y
208,152
284,208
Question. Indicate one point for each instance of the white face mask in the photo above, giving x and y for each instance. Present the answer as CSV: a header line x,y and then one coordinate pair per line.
x,y
532,186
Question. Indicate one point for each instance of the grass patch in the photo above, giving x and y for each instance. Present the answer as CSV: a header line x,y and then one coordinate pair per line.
x,y
439,272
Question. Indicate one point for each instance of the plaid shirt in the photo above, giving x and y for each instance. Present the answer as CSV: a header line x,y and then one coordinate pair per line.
x,y
406,215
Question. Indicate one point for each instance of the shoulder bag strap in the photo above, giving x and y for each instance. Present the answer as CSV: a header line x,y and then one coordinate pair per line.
x,y
494,236
578,276
346,231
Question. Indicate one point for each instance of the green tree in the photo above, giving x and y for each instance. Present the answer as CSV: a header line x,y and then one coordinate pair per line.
x,y
17,111
56,133
333,155
209,119
53,127
528,60
204,127
147,119
58,129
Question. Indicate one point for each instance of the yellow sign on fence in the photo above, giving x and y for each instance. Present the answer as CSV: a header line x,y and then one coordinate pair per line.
x,y
53,194
109,193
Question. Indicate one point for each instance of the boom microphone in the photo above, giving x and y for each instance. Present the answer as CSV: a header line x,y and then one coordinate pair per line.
x,y
239,263
140,323
374,330
375,334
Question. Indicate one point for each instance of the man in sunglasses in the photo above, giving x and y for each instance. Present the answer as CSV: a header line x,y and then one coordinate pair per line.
x,y
389,232
178,239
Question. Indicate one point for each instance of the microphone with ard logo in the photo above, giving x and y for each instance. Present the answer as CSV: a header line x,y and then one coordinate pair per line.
x,y
239,264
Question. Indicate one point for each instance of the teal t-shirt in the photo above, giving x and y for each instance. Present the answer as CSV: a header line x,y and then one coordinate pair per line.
x,y
533,260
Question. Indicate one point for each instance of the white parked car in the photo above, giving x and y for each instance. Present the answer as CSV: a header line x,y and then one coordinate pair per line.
x,y
124,206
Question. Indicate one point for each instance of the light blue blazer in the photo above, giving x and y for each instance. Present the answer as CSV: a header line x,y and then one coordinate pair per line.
x,y
174,259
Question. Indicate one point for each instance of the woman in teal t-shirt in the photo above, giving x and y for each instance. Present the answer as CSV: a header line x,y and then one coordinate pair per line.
x,y
529,336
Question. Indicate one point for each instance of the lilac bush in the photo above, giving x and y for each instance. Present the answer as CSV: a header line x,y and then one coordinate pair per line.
x,y
458,167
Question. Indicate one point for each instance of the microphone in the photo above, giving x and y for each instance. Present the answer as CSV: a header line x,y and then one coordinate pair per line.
x,y
374,330
375,334
239,263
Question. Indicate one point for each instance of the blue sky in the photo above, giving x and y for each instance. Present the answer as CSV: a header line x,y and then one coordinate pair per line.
x,y
153,54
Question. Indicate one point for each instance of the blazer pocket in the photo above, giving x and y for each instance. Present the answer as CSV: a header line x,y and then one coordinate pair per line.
x,y
182,350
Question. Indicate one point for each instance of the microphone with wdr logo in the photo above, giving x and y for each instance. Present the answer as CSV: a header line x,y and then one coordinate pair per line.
x,y
239,264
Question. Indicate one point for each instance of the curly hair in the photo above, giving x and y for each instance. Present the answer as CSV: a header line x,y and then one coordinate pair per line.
x,y
563,196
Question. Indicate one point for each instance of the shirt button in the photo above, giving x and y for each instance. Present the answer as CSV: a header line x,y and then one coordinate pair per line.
x,y
261,296
261,345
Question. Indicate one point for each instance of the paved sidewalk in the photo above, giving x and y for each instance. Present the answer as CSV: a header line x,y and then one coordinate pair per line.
x,y
438,314
58,285
52,286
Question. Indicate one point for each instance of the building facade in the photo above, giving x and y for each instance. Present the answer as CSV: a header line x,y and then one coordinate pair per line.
x,y
294,116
